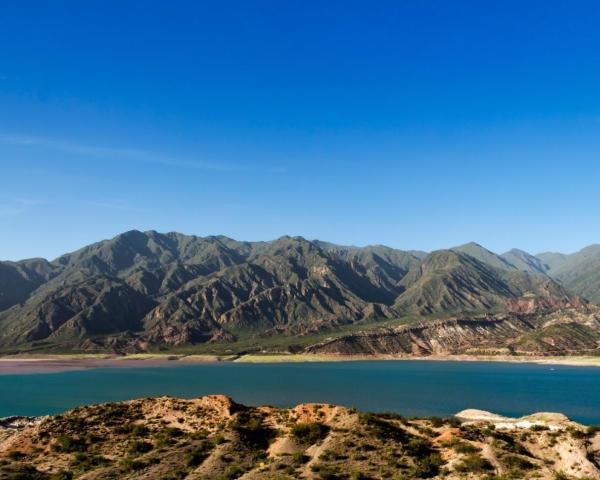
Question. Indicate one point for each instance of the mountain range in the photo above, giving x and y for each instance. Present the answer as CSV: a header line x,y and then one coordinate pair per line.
x,y
147,290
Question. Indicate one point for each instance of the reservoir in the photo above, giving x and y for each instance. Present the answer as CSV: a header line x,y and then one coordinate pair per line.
x,y
412,388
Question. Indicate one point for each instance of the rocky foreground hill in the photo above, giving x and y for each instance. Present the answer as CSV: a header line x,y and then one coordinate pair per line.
x,y
145,291
213,437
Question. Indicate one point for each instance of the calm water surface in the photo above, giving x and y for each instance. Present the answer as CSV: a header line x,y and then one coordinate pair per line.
x,y
408,387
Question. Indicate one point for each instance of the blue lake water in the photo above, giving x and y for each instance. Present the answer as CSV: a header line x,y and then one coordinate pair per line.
x,y
413,388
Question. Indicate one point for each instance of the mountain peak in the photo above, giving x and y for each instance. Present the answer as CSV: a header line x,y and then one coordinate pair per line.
x,y
484,255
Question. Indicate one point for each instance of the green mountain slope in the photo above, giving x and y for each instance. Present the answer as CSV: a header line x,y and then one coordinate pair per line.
x,y
579,272
448,281
19,279
484,256
97,306
524,261
154,289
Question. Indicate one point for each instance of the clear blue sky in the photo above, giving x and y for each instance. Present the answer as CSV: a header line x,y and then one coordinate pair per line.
x,y
416,124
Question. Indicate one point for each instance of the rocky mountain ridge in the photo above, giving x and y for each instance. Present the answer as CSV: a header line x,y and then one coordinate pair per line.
x,y
145,290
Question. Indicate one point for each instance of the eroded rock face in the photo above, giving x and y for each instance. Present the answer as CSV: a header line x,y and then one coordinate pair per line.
x,y
533,304
214,437
546,420
17,422
568,455
542,332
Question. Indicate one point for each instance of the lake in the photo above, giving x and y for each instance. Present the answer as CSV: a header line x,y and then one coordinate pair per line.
x,y
412,388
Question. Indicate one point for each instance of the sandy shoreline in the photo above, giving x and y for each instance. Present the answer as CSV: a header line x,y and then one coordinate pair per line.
x,y
576,361
58,363
62,363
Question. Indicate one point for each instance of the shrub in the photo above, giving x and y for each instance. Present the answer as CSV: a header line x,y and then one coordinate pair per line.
x,y
61,475
471,432
381,428
325,472
367,447
139,447
22,472
391,416
300,458
91,438
454,422
64,443
175,475
85,461
252,430
578,434
139,430
592,430
167,436
233,472
196,455
538,428
464,447
418,447
359,476
310,433
428,466
506,441
129,465
200,434
16,455
474,463
514,462
436,422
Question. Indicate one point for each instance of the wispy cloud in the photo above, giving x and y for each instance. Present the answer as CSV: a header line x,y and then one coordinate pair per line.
x,y
128,154
108,205
116,205
17,206
10,211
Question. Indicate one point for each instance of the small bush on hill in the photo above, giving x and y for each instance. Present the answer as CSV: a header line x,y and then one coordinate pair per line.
x,y
139,447
464,447
61,475
300,458
418,448
382,429
16,455
514,462
252,430
474,463
592,430
64,443
310,433
538,428
130,465
428,466
85,461
436,422
197,454
139,430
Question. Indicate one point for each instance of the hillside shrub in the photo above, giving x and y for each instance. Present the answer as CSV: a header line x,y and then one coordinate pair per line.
x,y
139,447
310,433
473,463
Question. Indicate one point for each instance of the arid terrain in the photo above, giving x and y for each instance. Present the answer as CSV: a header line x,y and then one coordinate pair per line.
x,y
213,437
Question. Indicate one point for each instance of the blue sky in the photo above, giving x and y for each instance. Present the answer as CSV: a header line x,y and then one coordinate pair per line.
x,y
416,124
